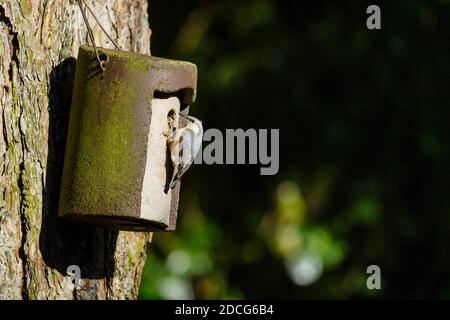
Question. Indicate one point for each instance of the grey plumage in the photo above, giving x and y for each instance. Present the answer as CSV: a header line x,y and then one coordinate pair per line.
x,y
184,144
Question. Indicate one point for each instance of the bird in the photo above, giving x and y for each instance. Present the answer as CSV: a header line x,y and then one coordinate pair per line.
x,y
184,144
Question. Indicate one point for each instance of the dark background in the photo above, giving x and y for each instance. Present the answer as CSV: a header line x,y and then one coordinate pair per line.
x,y
364,149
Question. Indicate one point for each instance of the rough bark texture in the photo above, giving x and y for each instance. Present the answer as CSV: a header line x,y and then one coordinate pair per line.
x,y
39,40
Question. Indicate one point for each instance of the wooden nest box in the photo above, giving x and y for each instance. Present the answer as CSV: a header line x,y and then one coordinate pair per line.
x,y
117,167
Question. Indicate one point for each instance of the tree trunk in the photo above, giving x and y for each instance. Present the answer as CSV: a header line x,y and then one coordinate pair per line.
x,y
39,40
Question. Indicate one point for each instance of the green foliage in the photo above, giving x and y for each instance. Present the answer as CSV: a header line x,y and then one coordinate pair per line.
x,y
363,118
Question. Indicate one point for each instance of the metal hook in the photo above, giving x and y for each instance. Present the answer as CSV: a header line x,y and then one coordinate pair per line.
x,y
101,62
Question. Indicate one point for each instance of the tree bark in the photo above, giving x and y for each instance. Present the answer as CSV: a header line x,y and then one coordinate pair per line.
x,y
39,40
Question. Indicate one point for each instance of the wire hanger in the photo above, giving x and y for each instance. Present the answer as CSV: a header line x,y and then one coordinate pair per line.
x,y
101,62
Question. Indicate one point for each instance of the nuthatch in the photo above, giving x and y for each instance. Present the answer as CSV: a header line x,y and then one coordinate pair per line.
x,y
184,144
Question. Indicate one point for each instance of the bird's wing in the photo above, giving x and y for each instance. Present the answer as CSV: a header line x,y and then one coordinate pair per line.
x,y
189,146
197,143
187,153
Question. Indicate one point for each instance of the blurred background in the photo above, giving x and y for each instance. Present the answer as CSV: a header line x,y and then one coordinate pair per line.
x,y
364,151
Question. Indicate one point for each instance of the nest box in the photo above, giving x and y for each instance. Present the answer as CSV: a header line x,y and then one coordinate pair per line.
x,y
117,166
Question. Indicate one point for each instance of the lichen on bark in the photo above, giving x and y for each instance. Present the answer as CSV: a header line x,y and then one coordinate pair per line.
x,y
39,41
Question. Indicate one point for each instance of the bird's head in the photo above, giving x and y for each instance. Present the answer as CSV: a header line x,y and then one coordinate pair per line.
x,y
195,123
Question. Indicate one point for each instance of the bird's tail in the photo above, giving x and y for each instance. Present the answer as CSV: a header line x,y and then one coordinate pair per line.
x,y
173,183
175,178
